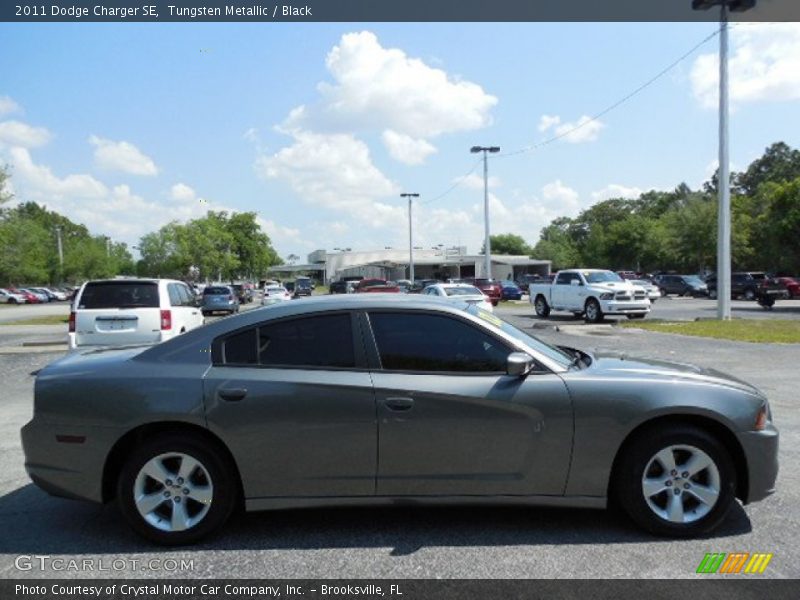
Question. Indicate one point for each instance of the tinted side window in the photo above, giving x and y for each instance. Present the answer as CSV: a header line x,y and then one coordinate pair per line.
x,y
241,348
174,294
426,342
322,341
187,297
563,279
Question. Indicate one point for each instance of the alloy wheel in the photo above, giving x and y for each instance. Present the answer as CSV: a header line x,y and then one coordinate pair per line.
x,y
173,492
681,484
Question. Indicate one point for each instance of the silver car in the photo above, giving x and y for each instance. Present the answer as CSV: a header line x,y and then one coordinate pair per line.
x,y
391,399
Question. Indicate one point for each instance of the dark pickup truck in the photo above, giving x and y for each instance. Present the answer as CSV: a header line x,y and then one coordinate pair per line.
x,y
752,285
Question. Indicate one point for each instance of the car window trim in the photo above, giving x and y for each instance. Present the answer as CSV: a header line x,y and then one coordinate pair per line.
x,y
359,353
376,358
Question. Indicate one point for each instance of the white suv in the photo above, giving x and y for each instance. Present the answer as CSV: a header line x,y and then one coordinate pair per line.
x,y
114,312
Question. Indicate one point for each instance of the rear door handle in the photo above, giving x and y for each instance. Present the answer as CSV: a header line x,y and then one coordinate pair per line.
x,y
399,404
232,395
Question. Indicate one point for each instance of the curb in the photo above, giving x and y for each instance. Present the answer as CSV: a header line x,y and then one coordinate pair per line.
x,y
37,349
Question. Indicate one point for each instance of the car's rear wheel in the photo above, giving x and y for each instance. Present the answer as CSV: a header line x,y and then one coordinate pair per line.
x,y
541,307
175,490
677,481
592,311
712,294
749,294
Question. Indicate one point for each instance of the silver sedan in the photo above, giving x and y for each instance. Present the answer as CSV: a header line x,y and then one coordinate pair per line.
x,y
391,399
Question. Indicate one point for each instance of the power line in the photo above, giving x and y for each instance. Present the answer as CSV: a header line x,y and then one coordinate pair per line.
x,y
457,182
619,102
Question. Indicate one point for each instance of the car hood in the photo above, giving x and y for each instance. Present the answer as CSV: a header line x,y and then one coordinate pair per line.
x,y
613,286
620,365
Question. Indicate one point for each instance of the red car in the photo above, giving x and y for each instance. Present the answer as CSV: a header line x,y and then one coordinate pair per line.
x,y
29,298
791,284
376,286
491,288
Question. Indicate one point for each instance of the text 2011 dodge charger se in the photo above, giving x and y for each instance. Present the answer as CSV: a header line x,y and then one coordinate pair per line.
x,y
380,398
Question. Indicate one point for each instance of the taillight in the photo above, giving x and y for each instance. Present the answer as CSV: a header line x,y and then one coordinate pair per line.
x,y
72,322
166,320
761,419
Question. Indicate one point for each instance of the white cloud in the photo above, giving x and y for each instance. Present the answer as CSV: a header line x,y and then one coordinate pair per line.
x,y
764,65
614,190
182,193
334,171
41,180
377,88
548,121
16,133
475,182
405,149
561,197
121,156
583,130
8,106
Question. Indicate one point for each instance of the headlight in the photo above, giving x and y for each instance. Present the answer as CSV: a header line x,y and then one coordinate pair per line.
x,y
762,418
607,296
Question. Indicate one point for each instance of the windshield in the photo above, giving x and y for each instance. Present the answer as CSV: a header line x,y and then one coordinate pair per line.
x,y
693,279
551,352
122,294
216,291
601,276
275,289
463,291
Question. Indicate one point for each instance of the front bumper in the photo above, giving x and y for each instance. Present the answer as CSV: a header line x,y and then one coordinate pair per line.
x,y
623,307
761,453
67,469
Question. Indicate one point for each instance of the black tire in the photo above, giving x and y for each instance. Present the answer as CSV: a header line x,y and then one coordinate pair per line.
x,y
225,488
664,293
541,307
592,312
749,294
766,302
637,456
205,313
12,301
712,294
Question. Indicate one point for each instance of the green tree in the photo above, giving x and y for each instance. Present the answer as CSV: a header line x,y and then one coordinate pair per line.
x,y
778,164
508,243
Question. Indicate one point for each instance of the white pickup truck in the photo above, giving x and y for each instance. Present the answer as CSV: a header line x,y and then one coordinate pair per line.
x,y
593,293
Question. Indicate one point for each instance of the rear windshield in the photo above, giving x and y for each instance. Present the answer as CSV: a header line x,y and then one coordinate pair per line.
x,y
216,291
119,294
463,291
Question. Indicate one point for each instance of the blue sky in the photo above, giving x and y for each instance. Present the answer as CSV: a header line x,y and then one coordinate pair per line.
x,y
127,126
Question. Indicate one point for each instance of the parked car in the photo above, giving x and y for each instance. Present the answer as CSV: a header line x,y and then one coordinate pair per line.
x,y
421,284
9,297
681,285
58,294
404,285
40,296
653,293
792,286
510,290
524,281
243,293
376,286
51,297
630,275
750,285
337,287
274,294
30,297
459,293
490,287
440,404
593,293
219,298
116,312
302,287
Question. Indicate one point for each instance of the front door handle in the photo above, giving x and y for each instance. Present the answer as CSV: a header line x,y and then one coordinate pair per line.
x,y
399,404
232,395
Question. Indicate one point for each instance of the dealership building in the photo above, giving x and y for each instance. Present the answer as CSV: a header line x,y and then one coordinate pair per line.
x,y
393,264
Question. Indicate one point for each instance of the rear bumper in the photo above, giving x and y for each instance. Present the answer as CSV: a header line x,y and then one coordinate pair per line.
x,y
761,453
68,470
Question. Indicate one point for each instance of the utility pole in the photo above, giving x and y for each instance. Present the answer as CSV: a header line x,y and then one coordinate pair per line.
x,y
410,236
60,254
487,244
723,183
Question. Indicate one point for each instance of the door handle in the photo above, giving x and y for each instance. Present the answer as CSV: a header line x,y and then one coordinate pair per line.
x,y
399,404
194,312
232,395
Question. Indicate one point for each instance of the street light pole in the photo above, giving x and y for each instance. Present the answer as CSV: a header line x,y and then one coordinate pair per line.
x,y
410,236
487,244
60,254
723,173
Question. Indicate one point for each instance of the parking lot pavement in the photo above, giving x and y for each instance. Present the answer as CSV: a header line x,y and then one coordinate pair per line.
x,y
421,542
674,308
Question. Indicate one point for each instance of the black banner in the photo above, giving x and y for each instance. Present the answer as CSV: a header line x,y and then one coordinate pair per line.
x,y
743,587
383,10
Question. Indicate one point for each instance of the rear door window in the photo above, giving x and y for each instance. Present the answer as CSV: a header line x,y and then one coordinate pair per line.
x,y
119,294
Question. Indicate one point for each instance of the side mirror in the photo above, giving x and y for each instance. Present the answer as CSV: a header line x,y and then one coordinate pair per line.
x,y
575,282
519,364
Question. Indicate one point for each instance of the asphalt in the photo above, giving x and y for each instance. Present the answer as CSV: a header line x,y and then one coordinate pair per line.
x,y
422,542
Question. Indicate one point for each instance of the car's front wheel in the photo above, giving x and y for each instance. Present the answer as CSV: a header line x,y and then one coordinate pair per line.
x,y
677,481
176,489
541,307
592,311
